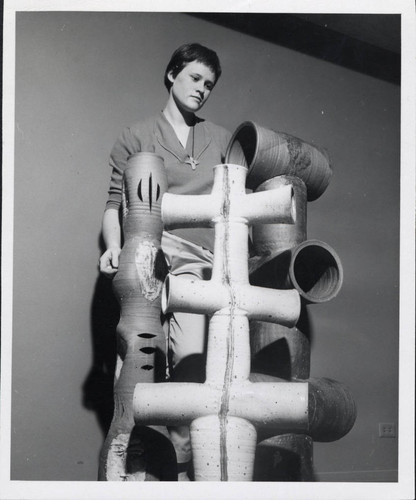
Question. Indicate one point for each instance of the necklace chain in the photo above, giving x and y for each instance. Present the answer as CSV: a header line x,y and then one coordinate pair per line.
x,y
191,160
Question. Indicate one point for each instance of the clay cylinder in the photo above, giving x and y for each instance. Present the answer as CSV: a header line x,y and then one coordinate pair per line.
x,y
142,269
223,448
280,351
315,271
281,405
229,200
192,295
276,206
144,184
174,403
268,154
313,268
274,404
190,211
207,297
228,347
269,239
288,457
137,286
230,251
332,410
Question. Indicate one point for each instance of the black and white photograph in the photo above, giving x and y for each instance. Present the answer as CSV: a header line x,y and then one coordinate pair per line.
x,y
208,250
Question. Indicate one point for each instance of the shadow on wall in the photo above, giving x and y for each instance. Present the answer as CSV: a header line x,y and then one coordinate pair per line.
x,y
98,386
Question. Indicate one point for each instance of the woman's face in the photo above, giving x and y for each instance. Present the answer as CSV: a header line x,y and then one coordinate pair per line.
x,y
192,86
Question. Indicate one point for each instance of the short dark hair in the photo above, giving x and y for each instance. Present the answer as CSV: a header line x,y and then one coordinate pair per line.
x,y
192,52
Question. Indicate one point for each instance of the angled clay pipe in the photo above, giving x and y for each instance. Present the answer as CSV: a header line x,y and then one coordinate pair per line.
x,y
313,268
140,337
288,455
330,413
268,154
284,258
331,408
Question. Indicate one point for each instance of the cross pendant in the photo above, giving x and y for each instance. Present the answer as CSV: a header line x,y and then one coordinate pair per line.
x,y
191,161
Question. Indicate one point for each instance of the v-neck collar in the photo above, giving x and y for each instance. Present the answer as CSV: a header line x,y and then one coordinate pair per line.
x,y
168,139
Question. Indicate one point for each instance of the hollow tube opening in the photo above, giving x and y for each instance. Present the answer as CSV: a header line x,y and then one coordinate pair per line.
x,y
243,146
316,273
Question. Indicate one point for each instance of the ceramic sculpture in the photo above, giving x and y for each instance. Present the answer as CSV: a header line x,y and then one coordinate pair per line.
x,y
128,450
284,258
226,412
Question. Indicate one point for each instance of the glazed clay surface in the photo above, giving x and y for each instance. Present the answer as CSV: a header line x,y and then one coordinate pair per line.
x,y
269,154
127,454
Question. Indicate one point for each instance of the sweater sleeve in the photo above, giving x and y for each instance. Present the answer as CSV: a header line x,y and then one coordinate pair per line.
x,y
126,145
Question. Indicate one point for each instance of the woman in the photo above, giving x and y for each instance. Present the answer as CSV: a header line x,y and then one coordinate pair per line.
x,y
190,147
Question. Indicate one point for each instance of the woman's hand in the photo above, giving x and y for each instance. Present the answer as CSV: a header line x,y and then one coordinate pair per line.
x,y
112,240
109,261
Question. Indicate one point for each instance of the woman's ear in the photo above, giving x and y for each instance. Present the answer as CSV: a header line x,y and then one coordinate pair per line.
x,y
171,78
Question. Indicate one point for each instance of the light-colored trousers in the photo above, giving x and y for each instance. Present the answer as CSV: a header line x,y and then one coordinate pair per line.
x,y
186,333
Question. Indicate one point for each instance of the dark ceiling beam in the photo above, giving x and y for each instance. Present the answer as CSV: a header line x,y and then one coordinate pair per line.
x,y
317,40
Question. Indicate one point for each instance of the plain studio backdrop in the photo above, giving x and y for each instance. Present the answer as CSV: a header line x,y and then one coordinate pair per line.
x,y
80,78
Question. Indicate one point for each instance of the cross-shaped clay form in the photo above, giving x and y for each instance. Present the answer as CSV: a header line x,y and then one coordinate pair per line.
x,y
225,410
